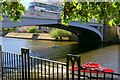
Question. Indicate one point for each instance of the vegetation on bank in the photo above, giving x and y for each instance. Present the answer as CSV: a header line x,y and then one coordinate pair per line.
x,y
8,29
59,33
32,30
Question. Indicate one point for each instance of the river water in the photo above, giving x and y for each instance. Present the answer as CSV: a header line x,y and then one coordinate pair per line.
x,y
106,55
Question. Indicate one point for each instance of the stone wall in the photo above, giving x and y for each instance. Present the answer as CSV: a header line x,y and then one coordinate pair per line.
x,y
35,36
73,37
20,35
111,34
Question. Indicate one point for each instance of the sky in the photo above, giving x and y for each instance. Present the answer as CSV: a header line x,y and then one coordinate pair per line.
x,y
27,2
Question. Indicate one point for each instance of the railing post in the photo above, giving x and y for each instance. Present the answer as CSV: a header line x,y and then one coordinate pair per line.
x,y
25,64
67,68
0,62
73,59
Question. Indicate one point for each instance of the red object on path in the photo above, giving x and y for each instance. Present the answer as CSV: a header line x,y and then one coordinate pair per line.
x,y
94,67
91,65
107,70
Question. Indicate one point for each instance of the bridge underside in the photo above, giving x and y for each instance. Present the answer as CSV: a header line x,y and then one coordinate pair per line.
x,y
84,32
84,35
87,36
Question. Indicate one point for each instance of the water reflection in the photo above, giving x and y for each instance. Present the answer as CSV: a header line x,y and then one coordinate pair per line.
x,y
106,55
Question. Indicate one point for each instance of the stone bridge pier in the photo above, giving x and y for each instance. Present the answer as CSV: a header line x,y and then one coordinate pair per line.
x,y
111,34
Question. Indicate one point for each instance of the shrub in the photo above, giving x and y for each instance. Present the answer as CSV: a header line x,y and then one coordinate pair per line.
x,y
9,29
32,30
56,33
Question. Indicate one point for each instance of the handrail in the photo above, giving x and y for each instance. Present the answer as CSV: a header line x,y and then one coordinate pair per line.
x,y
49,60
43,14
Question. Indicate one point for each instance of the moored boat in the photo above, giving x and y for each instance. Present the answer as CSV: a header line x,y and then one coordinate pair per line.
x,y
94,68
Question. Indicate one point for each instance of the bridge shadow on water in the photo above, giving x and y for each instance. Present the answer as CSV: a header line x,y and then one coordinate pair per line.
x,y
86,47
77,49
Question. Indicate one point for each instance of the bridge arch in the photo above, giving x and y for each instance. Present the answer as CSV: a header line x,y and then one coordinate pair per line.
x,y
88,28
84,30
80,32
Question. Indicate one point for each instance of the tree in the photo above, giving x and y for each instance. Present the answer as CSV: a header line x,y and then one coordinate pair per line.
x,y
13,9
32,30
56,33
84,11
74,10
9,29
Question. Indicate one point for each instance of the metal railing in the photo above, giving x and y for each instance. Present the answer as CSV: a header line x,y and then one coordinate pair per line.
x,y
43,15
25,67
37,15
82,74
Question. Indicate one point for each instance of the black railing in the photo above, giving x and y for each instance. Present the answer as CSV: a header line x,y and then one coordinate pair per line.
x,y
25,67
11,66
82,74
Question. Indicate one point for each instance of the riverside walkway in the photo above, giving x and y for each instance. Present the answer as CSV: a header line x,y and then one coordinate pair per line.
x,y
39,36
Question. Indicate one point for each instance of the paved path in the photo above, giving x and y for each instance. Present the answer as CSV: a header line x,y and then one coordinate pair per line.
x,y
41,36
29,35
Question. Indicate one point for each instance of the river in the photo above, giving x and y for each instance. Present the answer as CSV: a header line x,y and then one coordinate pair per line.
x,y
106,55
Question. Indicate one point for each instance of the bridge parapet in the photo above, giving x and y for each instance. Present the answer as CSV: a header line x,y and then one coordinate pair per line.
x,y
43,15
36,15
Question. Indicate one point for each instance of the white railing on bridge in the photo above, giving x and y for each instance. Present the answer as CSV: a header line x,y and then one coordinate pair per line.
x,y
39,15
44,15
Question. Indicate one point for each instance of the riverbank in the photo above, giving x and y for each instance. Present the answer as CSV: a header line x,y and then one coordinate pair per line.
x,y
34,36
